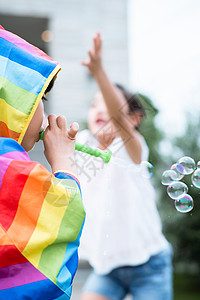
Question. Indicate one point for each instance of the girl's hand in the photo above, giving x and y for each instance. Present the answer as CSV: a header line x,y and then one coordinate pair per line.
x,y
94,62
59,143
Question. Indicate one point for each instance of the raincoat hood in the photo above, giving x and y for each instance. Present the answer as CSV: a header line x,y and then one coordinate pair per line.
x,y
25,73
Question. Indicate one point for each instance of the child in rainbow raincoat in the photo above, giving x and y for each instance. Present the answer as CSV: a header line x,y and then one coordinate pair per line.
x,y
41,214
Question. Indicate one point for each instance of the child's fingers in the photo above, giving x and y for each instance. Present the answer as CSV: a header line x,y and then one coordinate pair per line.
x,y
85,63
52,121
95,42
73,130
98,41
62,123
90,54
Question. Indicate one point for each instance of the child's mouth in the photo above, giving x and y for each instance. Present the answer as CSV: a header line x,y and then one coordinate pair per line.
x,y
100,122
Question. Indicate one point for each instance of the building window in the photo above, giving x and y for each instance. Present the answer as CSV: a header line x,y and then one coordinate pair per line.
x,y
32,29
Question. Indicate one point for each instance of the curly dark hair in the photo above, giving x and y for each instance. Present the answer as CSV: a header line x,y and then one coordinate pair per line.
x,y
133,101
49,87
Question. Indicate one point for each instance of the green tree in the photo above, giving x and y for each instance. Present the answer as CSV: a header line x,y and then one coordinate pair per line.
x,y
183,230
153,135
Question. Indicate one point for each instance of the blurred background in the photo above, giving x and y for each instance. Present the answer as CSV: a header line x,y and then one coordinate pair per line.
x,y
151,47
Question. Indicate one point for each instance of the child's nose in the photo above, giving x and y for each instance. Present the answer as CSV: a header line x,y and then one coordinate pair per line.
x,y
102,109
102,114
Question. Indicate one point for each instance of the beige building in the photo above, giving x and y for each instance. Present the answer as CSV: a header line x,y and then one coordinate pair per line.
x,y
72,23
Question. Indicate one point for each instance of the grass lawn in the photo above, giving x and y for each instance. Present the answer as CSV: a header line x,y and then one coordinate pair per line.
x,y
186,287
186,296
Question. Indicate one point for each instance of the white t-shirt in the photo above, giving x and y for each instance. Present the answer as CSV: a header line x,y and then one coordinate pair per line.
x,y
122,224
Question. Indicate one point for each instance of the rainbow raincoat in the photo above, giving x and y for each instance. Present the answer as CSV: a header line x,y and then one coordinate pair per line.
x,y
41,214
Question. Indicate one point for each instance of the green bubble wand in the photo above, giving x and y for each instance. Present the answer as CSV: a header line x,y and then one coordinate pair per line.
x,y
103,154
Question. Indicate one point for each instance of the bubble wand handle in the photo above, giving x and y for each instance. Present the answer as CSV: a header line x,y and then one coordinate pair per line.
x,y
103,154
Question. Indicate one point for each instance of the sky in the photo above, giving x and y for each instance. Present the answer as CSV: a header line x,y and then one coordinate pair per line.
x,y
164,54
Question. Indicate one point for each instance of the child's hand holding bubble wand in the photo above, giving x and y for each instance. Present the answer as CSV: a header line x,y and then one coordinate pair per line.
x,y
103,154
145,167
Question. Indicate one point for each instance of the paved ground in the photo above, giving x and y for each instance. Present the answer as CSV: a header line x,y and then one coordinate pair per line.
x,y
80,277
79,280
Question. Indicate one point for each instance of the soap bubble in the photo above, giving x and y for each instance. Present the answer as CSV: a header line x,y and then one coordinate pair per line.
x,y
196,178
184,204
188,164
168,177
146,169
198,164
177,189
179,169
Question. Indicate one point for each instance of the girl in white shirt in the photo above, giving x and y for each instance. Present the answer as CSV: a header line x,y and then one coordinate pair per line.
x,y
122,238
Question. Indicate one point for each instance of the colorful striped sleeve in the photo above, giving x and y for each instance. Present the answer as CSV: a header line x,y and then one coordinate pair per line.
x,y
41,219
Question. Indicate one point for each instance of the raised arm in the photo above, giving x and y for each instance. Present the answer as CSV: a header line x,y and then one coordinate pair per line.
x,y
114,100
